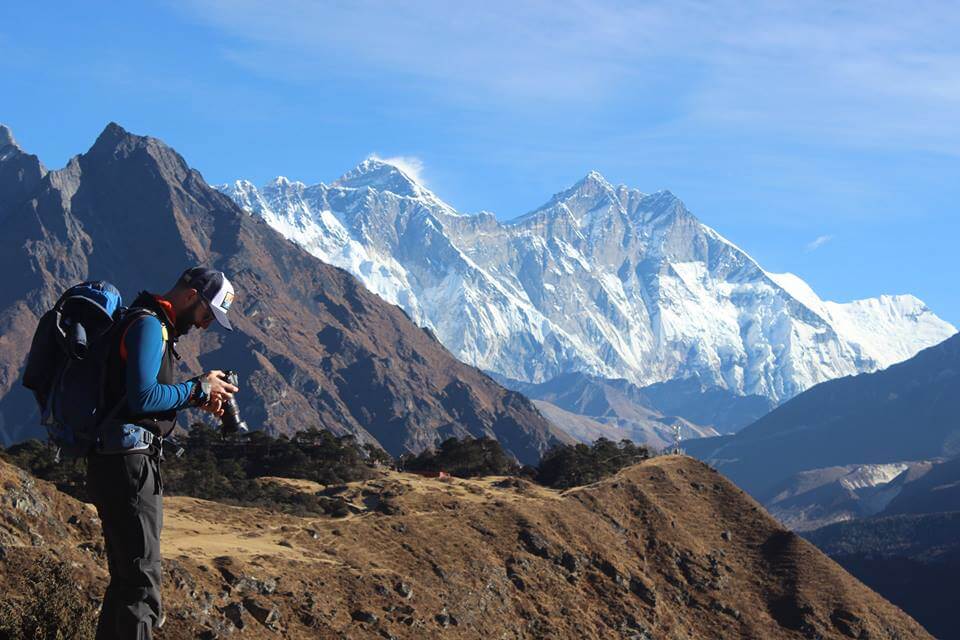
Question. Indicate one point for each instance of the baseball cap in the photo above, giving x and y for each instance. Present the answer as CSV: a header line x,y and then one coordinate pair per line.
x,y
213,287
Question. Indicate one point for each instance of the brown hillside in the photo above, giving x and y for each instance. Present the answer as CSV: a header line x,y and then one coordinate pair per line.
x,y
665,549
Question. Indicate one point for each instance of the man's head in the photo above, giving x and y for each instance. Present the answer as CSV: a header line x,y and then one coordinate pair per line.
x,y
200,296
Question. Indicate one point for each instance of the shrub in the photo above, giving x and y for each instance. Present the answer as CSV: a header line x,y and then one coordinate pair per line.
x,y
465,458
46,603
217,468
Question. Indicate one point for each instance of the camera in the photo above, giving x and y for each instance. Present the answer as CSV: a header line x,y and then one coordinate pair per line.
x,y
230,421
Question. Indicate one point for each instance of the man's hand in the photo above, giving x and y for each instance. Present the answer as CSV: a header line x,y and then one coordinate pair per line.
x,y
220,392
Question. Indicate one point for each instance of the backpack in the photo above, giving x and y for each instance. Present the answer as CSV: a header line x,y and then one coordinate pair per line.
x,y
67,364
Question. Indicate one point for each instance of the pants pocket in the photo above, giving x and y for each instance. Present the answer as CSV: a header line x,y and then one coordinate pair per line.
x,y
137,470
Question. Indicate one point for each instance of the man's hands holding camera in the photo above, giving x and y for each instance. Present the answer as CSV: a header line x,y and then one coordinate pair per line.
x,y
217,390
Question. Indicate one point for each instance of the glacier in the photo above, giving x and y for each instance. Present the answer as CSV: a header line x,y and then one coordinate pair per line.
x,y
601,279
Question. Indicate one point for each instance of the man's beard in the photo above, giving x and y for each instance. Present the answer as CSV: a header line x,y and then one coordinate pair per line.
x,y
185,319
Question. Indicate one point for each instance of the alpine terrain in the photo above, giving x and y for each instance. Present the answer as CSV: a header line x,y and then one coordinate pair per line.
x,y
314,348
602,279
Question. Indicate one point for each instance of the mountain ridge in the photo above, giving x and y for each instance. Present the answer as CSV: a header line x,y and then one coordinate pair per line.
x,y
601,279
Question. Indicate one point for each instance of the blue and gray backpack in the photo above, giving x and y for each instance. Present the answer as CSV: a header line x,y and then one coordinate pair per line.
x,y
67,365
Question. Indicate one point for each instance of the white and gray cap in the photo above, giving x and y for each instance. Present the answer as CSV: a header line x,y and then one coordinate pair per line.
x,y
213,287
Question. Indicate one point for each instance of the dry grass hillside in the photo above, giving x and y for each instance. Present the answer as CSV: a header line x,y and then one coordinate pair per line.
x,y
665,549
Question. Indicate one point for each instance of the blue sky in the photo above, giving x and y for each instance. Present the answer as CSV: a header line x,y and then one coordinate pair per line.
x,y
823,138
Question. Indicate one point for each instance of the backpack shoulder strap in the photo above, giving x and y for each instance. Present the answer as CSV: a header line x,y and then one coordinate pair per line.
x,y
132,315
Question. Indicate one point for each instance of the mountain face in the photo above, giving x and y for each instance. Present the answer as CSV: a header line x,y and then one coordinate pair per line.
x,y
665,549
602,279
909,412
313,346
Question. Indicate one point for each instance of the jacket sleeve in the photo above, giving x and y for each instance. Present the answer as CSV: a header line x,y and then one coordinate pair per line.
x,y
145,346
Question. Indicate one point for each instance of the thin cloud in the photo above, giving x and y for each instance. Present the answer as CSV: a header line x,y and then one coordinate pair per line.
x,y
868,75
818,242
527,51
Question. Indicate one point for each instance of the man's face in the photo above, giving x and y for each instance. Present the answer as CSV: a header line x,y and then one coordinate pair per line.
x,y
197,314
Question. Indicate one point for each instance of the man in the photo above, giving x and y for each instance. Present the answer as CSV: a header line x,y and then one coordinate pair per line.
x,y
123,473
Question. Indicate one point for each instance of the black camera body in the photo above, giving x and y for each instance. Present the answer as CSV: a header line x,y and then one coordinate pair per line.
x,y
230,421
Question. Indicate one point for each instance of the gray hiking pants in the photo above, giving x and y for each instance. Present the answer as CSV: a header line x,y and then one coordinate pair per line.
x,y
127,492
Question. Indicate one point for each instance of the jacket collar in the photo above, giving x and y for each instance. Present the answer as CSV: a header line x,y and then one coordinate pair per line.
x,y
162,307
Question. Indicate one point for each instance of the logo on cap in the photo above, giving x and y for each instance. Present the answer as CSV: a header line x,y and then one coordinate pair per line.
x,y
227,301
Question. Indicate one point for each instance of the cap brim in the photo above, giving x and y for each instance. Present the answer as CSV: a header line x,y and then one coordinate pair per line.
x,y
221,317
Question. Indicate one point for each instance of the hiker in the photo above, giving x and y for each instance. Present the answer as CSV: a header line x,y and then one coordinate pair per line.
x,y
123,470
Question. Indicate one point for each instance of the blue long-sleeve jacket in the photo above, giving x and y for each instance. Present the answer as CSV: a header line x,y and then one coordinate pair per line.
x,y
144,346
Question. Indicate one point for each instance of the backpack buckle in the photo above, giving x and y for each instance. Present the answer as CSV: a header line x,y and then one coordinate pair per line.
x,y
125,438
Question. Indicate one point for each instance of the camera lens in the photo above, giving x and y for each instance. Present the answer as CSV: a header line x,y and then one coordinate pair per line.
x,y
230,421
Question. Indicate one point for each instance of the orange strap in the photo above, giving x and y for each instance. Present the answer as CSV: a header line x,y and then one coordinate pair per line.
x,y
123,338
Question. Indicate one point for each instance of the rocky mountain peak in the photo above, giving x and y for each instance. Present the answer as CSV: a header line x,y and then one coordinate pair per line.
x,y
115,143
6,137
116,140
592,186
283,185
20,172
110,138
595,178
588,194
381,176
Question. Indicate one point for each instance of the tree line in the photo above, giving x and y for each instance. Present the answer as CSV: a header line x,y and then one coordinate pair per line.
x,y
227,468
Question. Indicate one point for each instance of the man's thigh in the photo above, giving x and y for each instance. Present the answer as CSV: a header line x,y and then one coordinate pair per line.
x,y
126,492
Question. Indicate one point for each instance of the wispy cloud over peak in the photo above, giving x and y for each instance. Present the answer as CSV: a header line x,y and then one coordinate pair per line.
x,y
410,165
817,242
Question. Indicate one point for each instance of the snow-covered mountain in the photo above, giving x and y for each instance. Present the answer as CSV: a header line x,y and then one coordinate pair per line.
x,y
601,279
